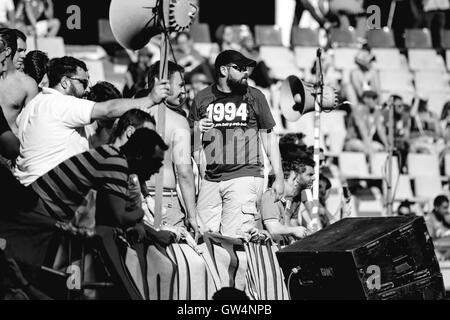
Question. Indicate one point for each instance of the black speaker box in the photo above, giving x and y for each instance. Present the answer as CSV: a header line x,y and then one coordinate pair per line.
x,y
364,258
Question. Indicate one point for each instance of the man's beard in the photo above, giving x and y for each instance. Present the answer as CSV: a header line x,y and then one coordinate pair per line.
x,y
238,86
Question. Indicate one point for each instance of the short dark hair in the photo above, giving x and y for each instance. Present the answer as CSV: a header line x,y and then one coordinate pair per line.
x,y
20,35
326,180
135,118
103,91
142,144
296,165
439,200
396,97
153,72
63,67
35,64
10,38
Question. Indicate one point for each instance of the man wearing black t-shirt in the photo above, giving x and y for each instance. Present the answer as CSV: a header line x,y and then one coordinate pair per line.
x,y
234,119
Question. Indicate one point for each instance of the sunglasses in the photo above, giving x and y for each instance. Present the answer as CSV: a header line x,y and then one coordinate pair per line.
x,y
84,82
239,68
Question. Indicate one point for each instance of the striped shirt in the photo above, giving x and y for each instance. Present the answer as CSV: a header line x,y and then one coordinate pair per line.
x,y
63,189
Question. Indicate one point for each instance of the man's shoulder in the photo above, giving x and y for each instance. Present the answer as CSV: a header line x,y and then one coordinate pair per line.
x,y
205,94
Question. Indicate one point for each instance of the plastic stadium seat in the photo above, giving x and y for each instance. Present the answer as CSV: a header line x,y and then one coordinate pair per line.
x,y
423,165
202,39
343,37
305,57
379,165
436,101
344,58
281,60
401,187
105,34
333,126
425,60
380,38
389,59
431,81
96,71
394,81
53,46
268,35
200,32
418,39
428,187
304,37
353,165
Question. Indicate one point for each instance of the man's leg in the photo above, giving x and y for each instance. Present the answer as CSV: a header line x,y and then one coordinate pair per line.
x,y
241,197
209,207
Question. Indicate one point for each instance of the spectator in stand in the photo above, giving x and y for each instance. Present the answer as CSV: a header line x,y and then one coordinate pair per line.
x,y
404,209
21,50
425,129
261,74
51,128
434,16
35,65
438,220
136,76
363,78
402,126
316,10
227,39
62,190
445,130
344,209
276,214
7,13
37,17
16,88
366,132
186,55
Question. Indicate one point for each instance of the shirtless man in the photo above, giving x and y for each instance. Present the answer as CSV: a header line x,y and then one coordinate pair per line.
x,y
17,88
177,165
21,50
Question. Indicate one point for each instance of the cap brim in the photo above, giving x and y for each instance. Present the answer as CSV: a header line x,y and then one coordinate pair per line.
x,y
245,62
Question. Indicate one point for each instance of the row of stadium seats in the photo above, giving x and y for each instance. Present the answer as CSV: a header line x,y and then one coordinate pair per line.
x,y
423,173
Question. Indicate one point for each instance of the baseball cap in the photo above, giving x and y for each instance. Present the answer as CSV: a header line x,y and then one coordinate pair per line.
x,y
232,56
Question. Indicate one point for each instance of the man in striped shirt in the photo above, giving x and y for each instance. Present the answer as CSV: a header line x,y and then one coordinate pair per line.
x,y
61,191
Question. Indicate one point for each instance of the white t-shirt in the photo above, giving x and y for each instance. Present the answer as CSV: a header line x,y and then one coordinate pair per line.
x,y
5,6
51,130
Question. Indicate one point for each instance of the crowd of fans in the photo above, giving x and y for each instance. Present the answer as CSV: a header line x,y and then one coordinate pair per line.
x,y
75,153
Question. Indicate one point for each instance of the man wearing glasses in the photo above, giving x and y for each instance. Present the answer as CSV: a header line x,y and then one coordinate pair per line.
x,y
233,119
51,127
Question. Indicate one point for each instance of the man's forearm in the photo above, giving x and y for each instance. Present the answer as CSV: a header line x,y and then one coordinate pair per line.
x,y
187,186
115,108
272,150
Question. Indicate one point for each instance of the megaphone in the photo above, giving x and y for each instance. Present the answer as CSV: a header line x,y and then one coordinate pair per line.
x,y
298,97
134,23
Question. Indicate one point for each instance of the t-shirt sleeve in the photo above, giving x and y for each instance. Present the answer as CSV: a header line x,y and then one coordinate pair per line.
x,y
269,208
262,109
114,178
193,113
75,112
